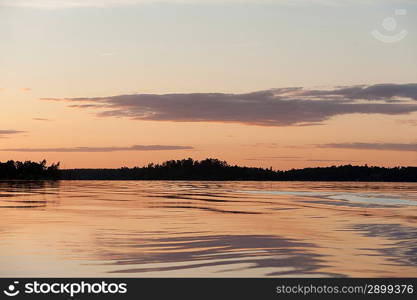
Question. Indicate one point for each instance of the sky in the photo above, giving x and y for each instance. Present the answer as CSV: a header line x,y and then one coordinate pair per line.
x,y
270,83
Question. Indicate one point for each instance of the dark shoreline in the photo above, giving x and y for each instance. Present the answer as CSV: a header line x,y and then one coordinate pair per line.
x,y
201,180
207,170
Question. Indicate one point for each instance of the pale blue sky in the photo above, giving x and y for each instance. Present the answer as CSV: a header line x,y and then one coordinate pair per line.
x,y
184,47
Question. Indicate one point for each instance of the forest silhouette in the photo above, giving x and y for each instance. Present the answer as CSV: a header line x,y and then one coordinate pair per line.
x,y
29,170
207,169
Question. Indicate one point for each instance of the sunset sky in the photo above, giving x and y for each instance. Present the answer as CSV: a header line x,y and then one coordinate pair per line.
x,y
281,83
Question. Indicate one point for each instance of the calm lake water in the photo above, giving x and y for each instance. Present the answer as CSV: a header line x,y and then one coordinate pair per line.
x,y
207,229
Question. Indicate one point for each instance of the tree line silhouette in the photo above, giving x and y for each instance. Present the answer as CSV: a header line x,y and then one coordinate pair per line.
x,y
214,169
207,169
29,170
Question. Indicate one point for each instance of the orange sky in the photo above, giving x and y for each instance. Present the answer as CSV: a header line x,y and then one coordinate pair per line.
x,y
65,53
281,147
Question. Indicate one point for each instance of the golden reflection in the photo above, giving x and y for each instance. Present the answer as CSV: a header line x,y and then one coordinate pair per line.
x,y
208,229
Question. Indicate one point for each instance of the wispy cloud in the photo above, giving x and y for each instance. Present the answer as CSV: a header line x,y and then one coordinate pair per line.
x,y
25,89
266,145
42,119
6,133
277,107
273,157
384,92
373,146
296,158
60,4
329,160
101,149
410,122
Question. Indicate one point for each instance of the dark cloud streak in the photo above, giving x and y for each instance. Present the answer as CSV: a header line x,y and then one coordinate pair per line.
x,y
42,119
102,149
297,158
385,92
373,146
6,133
278,107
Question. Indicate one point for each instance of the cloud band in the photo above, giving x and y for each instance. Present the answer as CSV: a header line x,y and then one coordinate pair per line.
x,y
278,107
102,149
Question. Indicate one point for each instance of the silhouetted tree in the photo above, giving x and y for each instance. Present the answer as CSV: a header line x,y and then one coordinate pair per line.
x,y
29,170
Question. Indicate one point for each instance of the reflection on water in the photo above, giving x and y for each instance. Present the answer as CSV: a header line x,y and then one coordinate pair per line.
x,y
403,249
207,229
238,253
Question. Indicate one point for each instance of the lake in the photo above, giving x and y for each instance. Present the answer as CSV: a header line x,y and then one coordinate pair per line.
x,y
207,229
